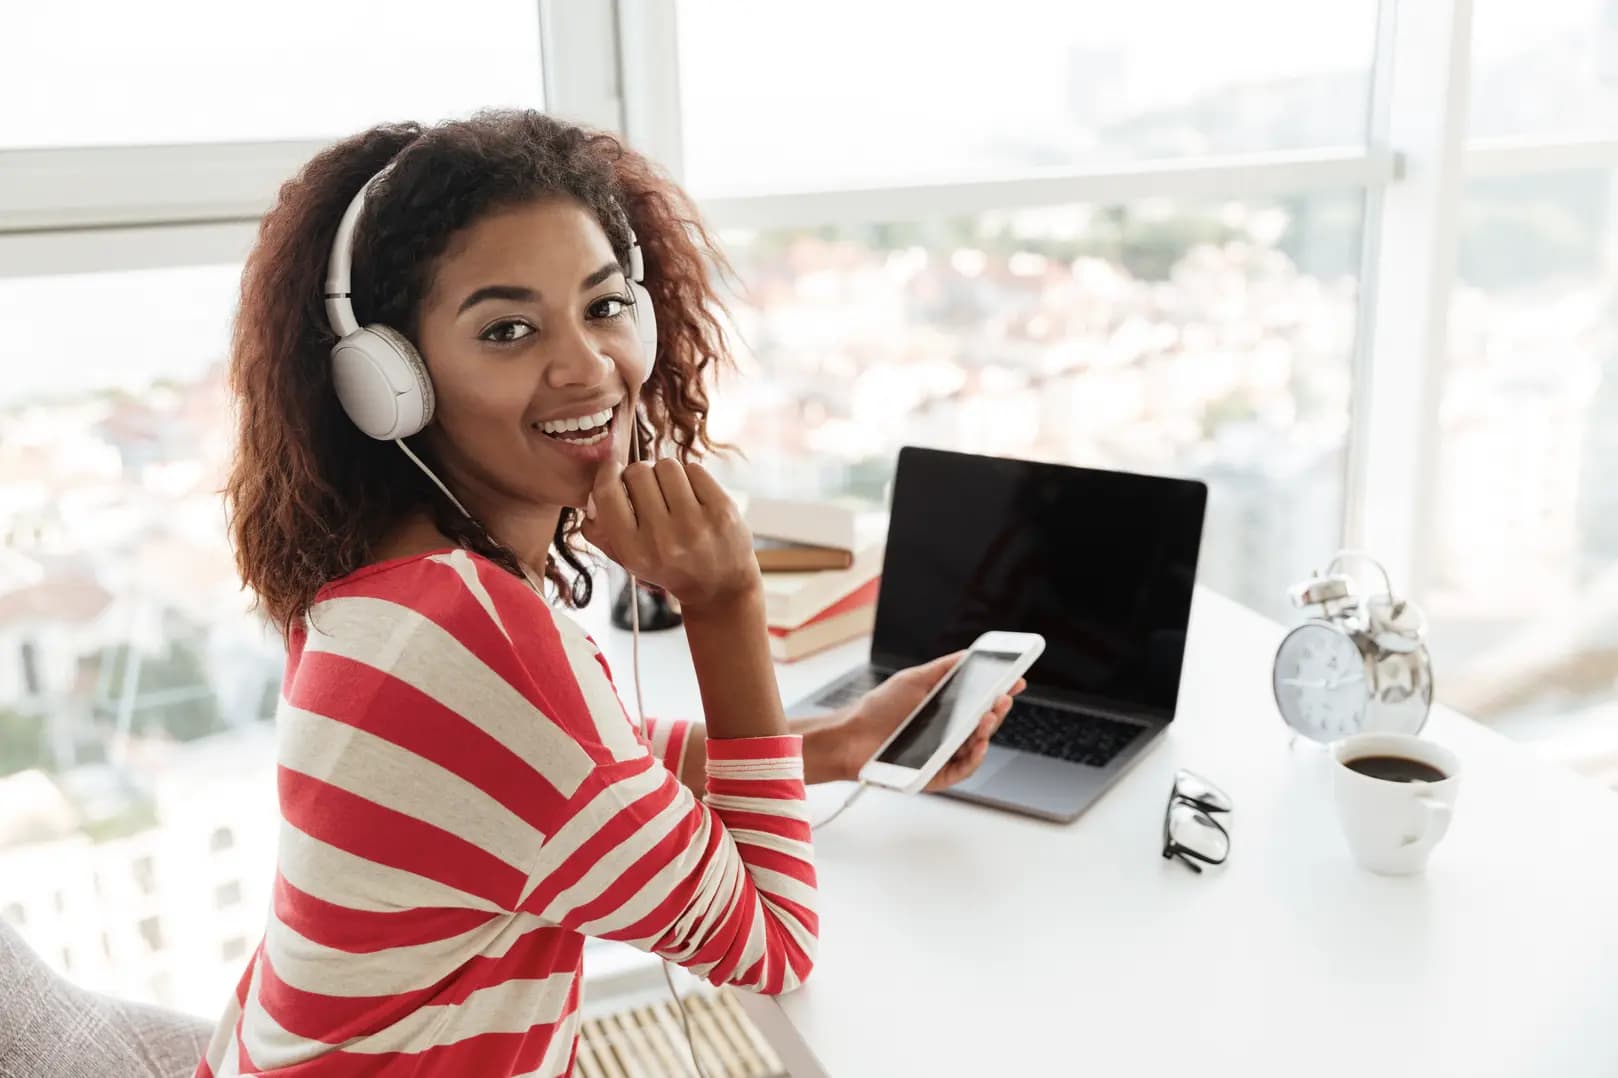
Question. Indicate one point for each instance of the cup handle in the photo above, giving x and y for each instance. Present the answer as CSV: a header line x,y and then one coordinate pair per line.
x,y
1434,815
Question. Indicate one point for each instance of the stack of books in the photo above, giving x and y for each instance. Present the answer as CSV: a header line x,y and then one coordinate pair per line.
x,y
822,564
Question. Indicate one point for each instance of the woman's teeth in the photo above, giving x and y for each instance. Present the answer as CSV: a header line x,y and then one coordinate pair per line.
x,y
583,422
591,440
582,430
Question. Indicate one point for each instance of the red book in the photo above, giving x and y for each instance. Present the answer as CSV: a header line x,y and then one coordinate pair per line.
x,y
851,616
792,600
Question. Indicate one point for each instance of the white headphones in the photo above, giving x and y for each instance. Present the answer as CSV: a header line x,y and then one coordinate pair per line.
x,y
381,380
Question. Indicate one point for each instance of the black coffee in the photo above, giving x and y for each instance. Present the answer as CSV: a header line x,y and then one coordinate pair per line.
x,y
1395,769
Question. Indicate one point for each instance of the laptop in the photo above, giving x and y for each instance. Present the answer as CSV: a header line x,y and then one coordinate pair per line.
x,y
1100,563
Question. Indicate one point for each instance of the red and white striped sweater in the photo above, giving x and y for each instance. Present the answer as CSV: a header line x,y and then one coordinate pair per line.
x,y
463,800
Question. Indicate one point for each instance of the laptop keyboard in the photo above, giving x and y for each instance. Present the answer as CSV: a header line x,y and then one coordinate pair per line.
x,y
847,692
1074,736
1065,735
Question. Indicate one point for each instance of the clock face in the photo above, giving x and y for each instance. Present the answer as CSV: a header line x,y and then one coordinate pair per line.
x,y
1320,683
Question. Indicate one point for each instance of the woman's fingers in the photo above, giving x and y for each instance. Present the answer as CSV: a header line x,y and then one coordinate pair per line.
x,y
962,765
645,494
969,757
613,526
652,520
676,487
705,486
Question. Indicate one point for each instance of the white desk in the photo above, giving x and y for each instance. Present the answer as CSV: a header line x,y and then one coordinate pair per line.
x,y
958,940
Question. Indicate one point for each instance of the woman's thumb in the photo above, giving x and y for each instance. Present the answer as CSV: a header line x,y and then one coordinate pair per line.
x,y
941,666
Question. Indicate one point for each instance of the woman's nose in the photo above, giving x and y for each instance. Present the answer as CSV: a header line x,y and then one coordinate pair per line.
x,y
576,361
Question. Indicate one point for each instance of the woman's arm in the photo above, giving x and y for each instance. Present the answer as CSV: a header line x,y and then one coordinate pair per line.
x,y
837,744
824,750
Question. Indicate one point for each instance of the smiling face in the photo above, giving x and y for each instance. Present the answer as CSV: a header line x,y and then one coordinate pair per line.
x,y
528,336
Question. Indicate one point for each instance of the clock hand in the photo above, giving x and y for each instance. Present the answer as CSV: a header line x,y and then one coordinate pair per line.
x,y
1303,684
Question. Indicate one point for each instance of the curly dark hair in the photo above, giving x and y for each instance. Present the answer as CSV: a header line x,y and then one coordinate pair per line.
x,y
309,495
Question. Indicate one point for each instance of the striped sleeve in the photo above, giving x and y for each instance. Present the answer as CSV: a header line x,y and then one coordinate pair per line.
x,y
725,885
668,740
729,881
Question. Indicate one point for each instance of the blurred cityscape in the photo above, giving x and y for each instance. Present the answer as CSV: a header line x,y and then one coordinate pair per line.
x,y
1211,340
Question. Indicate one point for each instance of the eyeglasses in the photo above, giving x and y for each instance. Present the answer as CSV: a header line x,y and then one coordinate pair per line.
x,y
1189,830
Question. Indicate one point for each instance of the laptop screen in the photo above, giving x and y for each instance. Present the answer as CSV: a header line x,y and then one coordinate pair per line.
x,y
1099,563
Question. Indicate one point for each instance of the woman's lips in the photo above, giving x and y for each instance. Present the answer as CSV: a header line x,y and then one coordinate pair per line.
x,y
593,446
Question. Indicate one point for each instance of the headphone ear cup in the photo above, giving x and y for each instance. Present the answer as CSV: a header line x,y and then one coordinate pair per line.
x,y
382,383
645,325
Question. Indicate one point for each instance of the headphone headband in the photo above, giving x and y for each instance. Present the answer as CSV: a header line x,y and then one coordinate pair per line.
x,y
339,294
340,265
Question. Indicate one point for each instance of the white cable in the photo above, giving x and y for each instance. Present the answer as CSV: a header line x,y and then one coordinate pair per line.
x,y
640,715
853,796
436,481
685,1020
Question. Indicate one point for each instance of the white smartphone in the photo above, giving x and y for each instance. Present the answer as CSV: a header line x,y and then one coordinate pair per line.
x,y
925,741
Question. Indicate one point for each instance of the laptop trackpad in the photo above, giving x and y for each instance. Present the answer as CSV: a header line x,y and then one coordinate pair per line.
x,y
995,760
1040,785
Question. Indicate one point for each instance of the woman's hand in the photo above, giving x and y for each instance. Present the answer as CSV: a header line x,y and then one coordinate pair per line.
x,y
880,711
673,525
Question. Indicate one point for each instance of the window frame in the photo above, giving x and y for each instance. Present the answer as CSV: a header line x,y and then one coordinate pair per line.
x,y
616,66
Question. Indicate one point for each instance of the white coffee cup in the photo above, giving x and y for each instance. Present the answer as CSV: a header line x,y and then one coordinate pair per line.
x,y
1392,826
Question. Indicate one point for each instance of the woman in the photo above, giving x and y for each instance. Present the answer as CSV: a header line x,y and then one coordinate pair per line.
x,y
464,798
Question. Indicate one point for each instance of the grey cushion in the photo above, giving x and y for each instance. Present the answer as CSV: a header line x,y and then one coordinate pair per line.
x,y
50,1029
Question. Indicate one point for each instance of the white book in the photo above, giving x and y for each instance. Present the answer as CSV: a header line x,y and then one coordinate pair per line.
x,y
790,599
838,522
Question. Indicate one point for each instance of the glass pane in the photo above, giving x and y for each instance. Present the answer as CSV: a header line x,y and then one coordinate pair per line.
x,y
1544,68
1523,605
106,74
133,679
797,94
1206,340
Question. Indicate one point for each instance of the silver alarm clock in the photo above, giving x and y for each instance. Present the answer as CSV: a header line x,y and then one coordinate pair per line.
x,y
1360,665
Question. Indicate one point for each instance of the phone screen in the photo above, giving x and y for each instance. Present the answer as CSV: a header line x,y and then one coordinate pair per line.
x,y
953,710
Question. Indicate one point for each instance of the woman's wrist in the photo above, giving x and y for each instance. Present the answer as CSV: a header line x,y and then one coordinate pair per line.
x,y
825,750
743,601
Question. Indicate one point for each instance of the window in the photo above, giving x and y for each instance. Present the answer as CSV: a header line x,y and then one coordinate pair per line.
x,y
291,69
144,873
32,683
233,948
227,894
1544,68
1208,339
1010,86
14,915
1527,515
153,328
115,429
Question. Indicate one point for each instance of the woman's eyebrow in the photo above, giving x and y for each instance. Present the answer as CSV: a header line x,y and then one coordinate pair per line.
x,y
607,270
497,291
529,295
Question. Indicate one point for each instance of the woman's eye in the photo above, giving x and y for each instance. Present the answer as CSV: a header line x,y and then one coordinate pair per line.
x,y
506,332
609,307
